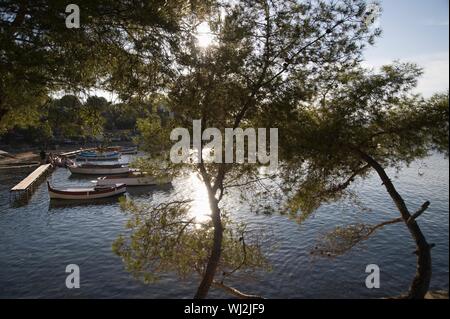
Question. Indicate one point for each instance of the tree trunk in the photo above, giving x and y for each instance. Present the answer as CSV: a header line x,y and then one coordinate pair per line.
x,y
421,281
213,261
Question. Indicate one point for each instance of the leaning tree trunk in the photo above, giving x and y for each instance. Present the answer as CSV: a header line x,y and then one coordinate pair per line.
x,y
214,258
421,281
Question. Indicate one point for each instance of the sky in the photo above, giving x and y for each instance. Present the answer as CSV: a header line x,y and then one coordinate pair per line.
x,y
415,31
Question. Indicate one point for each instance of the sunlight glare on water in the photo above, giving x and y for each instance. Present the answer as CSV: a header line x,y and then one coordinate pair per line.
x,y
200,206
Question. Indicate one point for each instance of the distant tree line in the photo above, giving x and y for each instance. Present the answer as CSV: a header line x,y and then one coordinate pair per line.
x,y
68,120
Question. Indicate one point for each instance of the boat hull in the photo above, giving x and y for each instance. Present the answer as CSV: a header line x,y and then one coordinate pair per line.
x,y
130,181
88,193
98,171
96,156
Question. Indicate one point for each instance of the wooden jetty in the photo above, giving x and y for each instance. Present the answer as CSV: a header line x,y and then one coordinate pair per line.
x,y
24,190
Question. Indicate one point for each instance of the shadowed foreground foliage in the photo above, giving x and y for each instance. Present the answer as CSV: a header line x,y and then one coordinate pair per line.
x,y
367,122
165,238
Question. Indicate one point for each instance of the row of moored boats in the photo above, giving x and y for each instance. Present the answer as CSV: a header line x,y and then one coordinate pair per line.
x,y
113,180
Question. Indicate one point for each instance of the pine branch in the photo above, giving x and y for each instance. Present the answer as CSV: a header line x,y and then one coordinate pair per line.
x,y
419,212
234,291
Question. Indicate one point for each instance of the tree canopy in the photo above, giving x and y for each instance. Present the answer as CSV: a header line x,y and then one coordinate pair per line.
x,y
375,113
120,46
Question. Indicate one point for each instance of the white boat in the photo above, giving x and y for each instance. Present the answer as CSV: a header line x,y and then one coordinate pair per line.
x,y
94,169
98,156
86,193
130,179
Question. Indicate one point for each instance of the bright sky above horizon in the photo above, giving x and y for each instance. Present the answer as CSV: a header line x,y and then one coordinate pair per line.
x,y
415,31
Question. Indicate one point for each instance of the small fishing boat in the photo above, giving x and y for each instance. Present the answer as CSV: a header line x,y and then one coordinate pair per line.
x,y
86,193
134,178
129,150
99,169
98,156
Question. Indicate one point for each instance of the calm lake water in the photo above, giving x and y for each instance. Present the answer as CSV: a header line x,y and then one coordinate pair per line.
x,y
39,239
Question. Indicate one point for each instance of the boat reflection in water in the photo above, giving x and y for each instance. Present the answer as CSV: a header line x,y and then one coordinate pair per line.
x,y
60,204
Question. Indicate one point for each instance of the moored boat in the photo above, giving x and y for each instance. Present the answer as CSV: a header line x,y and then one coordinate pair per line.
x,y
86,193
98,156
131,179
99,169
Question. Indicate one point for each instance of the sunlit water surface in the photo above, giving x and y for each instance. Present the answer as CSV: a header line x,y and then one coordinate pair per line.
x,y
39,239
